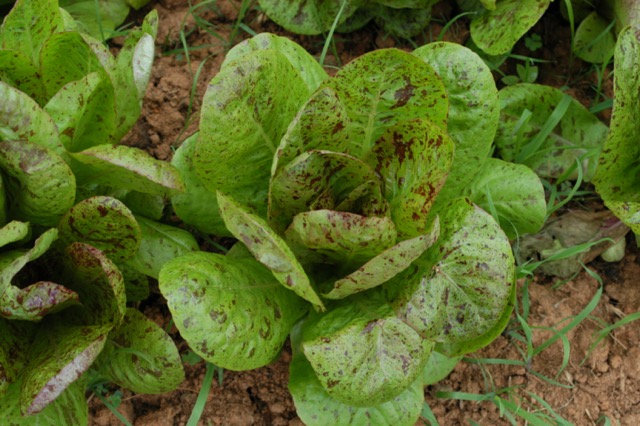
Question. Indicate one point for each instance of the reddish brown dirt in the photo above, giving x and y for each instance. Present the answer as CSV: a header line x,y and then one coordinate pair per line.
x,y
601,383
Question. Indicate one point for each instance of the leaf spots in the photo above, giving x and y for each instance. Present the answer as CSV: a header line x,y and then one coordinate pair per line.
x,y
404,94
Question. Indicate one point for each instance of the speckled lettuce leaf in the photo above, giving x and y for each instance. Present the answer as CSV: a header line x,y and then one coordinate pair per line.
x,y
84,112
617,178
105,223
98,18
593,42
126,167
159,244
578,135
148,205
474,110
196,206
462,285
317,408
40,186
343,238
15,339
310,71
141,357
413,157
70,408
245,112
315,180
14,231
322,123
308,16
384,266
357,340
136,283
386,86
268,248
33,302
498,30
28,25
20,72
403,21
514,192
231,311
438,368
21,118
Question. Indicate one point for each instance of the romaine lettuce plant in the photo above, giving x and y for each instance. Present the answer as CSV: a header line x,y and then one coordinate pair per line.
x,y
79,216
352,201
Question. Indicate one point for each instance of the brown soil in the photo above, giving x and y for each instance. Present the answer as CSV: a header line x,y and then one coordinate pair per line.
x,y
603,382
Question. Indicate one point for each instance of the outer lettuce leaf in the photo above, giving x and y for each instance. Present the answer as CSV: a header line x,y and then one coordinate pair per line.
x,y
499,29
439,367
15,338
362,353
579,134
40,186
141,356
242,122
268,248
196,206
617,179
14,231
317,408
384,87
21,118
19,71
106,224
232,311
99,23
308,16
308,68
462,286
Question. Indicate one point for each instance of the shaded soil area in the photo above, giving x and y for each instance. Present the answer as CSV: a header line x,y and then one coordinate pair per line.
x,y
579,378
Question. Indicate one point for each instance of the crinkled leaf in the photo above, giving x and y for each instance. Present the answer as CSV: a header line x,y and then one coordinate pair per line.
x,y
18,71
340,237
498,30
84,112
316,180
245,112
14,231
67,57
141,357
413,157
126,167
70,408
33,302
310,71
362,353
21,118
317,408
308,16
461,287
233,312
196,206
59,355
160,243
322,123
268,248
617,179
594,42
579,135
106,224
40,186
28,25
474,109
384,266
514,192
99,18
386,86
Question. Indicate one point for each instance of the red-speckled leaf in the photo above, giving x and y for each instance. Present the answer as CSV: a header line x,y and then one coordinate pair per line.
x,y
125,167
268,248
315,180
384,266
141,357
386,86
362,353
15,339
105,223
308,16
19,71
231,311
413,157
